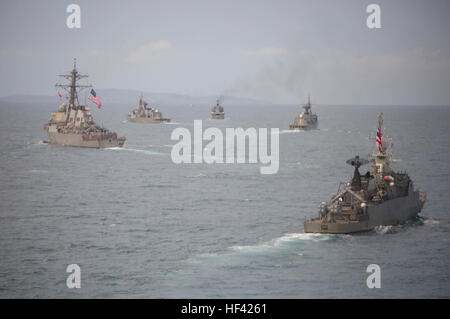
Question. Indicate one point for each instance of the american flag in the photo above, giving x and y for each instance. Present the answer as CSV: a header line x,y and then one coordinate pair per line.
x,y
94,98
379,139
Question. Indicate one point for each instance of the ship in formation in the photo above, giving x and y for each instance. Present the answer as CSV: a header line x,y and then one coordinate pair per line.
x,y
144,114
379,197
306,120
73,124
217,112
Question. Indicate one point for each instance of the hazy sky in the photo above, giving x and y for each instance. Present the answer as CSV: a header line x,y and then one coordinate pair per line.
x,y
275,50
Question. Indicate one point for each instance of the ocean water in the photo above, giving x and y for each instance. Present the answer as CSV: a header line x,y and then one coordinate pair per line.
x,y
140,226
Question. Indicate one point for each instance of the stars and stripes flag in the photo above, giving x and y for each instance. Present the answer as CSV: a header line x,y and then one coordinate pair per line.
x,y
94,98
379,139
142,101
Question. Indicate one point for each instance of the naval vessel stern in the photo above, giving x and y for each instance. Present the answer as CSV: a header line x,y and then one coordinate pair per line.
x,y
73,124
379,197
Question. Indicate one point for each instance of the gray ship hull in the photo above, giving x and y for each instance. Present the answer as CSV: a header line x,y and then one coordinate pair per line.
x,y
217,116
295,127
76,140
392,212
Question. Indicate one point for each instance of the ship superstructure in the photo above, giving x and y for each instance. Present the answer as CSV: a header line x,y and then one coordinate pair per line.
x,y
306,120
379,197
73,124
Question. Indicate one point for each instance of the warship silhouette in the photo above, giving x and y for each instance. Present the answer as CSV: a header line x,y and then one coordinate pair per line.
x,y
217,112
73,124
306,120
144,114
380,197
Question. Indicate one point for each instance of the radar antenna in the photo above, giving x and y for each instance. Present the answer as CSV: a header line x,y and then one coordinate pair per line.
x,y
356,162
73,77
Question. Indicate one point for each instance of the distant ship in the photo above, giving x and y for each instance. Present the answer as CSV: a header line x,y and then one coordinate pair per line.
x,y
305,120
380,197
217,112
144,114
73,124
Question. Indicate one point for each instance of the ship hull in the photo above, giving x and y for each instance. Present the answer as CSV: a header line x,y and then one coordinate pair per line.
x,y
392,212
76,140
218,117
296,127
148,120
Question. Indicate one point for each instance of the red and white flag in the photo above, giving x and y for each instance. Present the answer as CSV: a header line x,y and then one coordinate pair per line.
x,y
94,98
379,139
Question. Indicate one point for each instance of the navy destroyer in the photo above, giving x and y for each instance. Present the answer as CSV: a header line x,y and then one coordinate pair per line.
x,y
73,124
144,114
380,197
306,120
217,112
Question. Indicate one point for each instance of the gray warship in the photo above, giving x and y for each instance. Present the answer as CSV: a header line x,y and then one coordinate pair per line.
x,y
144,114
380,197
73,124
306,120
217,112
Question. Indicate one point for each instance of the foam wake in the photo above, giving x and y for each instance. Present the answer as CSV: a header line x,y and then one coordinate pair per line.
x,y
430,221
135,150
381,230
288,131
283,241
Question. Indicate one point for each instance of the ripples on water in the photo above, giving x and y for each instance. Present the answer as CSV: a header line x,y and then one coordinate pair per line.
x,y
141,226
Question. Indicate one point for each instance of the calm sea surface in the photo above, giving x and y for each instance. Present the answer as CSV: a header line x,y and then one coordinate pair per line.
x,y
141,226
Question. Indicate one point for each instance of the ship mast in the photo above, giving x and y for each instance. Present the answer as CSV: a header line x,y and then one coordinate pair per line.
x,y
307,107
382,159
72,87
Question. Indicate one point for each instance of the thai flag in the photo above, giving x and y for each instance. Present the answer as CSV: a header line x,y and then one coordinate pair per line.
x,y
379,139
94,98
